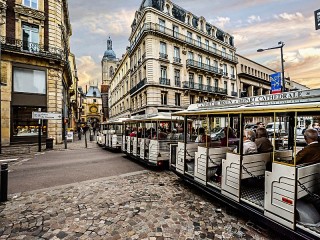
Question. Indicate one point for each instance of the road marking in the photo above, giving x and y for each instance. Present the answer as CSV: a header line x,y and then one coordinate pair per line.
x,y
9,160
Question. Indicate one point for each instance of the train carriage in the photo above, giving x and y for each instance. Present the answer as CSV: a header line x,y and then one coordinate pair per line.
x,y
271,186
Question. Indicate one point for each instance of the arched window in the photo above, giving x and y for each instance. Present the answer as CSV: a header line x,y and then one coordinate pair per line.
x,y
111,71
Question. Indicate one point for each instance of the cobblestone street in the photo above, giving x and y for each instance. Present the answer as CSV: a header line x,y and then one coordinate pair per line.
x,y
140,205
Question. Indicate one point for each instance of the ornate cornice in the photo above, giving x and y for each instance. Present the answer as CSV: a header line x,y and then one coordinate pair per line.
x,y
29,12
3,5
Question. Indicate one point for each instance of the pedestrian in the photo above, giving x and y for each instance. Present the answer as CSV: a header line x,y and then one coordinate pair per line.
x,y
79,130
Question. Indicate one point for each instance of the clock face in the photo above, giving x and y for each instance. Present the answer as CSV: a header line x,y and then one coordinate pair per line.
x,y
93,109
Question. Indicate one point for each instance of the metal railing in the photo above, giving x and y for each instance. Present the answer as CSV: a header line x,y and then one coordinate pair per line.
x,y
177,60
17,45
164,81
203,87
163,55
235,94
203,66
153,27
138,86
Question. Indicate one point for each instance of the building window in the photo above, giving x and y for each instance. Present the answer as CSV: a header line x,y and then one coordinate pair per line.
x,y
177,99
232,87
189,37
208,61
163,50
162,25
224,52
207,44
163,72
208,81
225,84
199,41
176,53
177,77
216,83
94,100
215,63
30,37
232,72
175,31
200,81
29,81
214,45
164,98
191,99
225,71
31,3
190,55
200,61
200,99
191,80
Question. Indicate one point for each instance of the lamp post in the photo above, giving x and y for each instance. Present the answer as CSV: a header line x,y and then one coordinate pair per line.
x,y
281,45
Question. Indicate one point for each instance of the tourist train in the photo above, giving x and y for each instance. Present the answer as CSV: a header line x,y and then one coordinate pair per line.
x,y
204,145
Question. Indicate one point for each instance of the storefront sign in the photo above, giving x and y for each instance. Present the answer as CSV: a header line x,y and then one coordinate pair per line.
x,y
262,100
70,136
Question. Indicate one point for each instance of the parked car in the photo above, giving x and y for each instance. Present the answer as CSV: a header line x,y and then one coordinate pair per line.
x,y
276,127
217,134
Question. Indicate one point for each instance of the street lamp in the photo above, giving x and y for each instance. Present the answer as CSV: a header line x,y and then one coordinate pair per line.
x,y
281,44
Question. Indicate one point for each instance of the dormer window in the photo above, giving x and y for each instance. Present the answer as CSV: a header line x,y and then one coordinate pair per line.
x,y
94,93
31,3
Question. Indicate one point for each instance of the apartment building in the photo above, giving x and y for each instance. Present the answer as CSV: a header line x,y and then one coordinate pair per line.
x,y
36,74
177,59
253,78
120,88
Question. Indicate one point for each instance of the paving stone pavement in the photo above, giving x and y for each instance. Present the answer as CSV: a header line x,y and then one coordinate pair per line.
x,y
142,205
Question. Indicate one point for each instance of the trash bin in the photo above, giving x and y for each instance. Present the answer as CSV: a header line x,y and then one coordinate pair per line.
x,y
49,143
91,138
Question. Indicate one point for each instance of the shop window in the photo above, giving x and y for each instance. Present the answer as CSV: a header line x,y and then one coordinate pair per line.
x,y
29,81
23,124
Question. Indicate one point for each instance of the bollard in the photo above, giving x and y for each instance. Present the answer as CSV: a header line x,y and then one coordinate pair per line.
x,y
4,183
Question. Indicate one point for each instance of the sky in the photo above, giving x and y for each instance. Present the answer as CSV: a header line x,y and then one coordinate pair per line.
x,y
254,24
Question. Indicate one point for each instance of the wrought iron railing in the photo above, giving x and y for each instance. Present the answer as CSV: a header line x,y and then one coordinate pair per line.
x,y
163,55
203,66
177,60
153,27
203,87
164,81
235,94
138,86
17,45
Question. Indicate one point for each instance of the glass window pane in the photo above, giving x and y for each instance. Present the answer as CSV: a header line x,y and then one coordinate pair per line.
x,y
29,81
34,4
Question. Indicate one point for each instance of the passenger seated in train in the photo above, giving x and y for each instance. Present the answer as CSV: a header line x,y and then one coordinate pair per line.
x,y
263,143
202,137
311,153
133,133
172,135
249,145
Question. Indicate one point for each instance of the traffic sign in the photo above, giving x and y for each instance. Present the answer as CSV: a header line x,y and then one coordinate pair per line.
x,y
46,115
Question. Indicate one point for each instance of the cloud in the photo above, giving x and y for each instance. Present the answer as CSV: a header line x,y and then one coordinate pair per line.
x,y
89,70
253,19
220,21
290,17
117,23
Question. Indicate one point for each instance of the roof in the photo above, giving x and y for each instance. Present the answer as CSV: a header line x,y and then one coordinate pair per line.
x,y
93,92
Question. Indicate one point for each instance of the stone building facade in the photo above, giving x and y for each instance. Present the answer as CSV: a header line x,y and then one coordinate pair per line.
x,y
177,59
35,68
253,78
120,86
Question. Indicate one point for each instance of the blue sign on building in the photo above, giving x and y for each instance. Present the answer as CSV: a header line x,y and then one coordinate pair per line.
x,y
276,83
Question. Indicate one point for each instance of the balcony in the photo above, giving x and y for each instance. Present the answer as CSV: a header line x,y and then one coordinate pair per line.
x,y
156,28
203,88
163,55
232,76
138,86
39,50
205,67
176,60
164,81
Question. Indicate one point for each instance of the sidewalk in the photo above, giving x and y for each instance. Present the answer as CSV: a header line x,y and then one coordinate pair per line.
x,y
140,205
